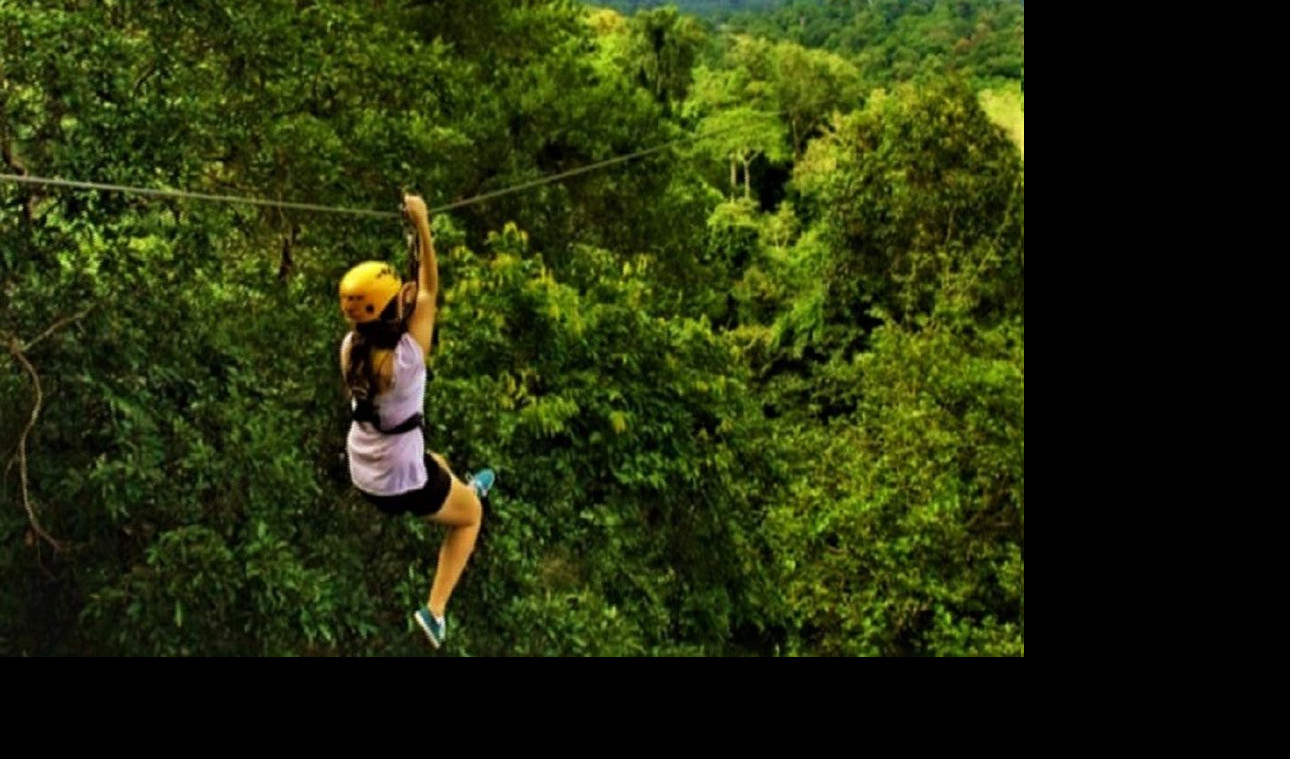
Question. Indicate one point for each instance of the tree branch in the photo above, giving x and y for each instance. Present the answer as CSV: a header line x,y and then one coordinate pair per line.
x,y
63,322
16,349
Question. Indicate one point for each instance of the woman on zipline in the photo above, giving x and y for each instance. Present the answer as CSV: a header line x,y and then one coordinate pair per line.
x,y
383,361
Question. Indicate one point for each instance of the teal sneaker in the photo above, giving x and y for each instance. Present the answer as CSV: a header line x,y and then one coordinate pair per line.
x,y
483,481
435,629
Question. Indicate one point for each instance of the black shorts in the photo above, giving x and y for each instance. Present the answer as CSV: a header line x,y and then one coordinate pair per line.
x,y
423,502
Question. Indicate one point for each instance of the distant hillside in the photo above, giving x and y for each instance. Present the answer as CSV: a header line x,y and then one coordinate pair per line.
x,y
696,7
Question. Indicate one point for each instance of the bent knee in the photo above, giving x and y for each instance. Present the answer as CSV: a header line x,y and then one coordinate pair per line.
x,y
469,511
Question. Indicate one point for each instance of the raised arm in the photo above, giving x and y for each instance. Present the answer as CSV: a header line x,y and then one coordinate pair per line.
x,y
421,325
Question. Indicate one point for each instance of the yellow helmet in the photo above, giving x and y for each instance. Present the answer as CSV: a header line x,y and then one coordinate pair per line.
x,y
367,289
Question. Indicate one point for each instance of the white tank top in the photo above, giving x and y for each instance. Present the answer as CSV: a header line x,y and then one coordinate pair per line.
x,y
383,464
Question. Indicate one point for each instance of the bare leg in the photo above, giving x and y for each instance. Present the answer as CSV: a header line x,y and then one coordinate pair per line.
x,y
463,515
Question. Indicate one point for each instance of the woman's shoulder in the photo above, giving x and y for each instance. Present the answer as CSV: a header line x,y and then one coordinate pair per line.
x,y
408,352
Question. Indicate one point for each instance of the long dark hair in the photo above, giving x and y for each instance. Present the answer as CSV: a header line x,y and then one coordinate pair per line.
x,y
383,333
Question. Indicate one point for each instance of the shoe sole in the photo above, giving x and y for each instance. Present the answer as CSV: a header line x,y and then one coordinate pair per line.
x,y
426,629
